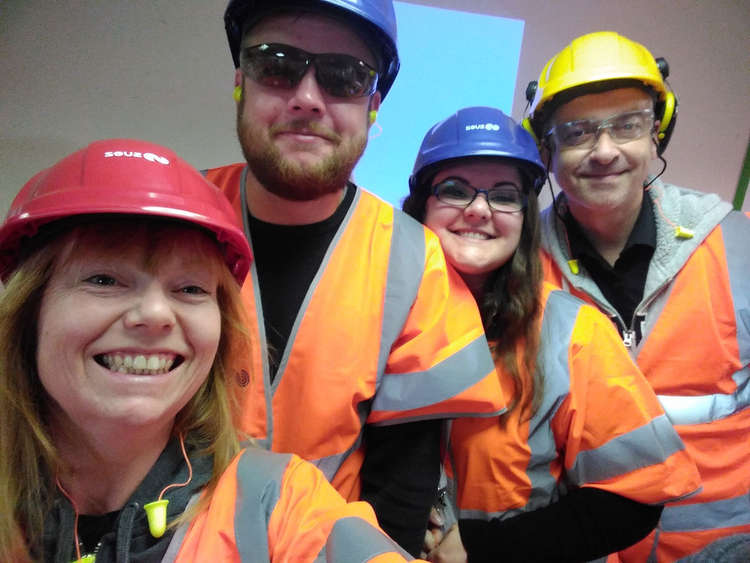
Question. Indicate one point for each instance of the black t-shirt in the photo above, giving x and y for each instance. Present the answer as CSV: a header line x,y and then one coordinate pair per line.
x,y
91,529
287,257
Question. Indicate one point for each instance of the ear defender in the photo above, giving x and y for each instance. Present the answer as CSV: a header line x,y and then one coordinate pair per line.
x,y
665,121
237,93
372,116
666,110
526,122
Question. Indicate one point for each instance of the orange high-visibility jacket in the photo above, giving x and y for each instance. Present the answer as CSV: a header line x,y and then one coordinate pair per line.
x,y
695,353
387,333
599,424
274,507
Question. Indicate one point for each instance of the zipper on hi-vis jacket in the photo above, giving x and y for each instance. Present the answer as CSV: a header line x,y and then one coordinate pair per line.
x,y
630,336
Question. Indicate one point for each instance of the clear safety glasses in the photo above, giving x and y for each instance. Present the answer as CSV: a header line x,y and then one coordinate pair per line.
x,y
456,192
583,133
282,66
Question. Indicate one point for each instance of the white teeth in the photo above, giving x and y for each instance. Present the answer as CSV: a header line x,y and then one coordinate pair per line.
x,y
474,235
139,364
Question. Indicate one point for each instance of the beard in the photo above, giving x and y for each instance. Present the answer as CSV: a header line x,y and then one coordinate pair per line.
x,y
293,180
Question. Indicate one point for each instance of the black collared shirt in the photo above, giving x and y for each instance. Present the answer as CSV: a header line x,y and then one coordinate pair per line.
x,y
623,283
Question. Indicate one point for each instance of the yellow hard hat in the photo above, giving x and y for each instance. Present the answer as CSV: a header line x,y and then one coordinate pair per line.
x,y
599,57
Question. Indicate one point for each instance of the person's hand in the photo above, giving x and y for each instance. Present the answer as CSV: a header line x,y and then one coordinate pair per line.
x,y
434,533
450,549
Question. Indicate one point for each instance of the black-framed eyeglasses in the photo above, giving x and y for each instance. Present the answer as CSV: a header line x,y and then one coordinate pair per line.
x,y
622,127
503,197
282,66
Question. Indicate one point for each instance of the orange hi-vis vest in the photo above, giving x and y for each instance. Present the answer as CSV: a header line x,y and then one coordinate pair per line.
x,y
274,507
695,353
599,424
387,333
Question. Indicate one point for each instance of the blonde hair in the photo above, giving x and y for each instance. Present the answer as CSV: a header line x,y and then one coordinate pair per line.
x,y
28,457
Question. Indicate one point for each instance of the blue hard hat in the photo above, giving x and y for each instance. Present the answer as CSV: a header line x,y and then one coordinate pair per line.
x,y
376,17
479,131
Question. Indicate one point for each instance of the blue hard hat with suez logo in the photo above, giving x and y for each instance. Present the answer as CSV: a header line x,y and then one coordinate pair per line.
x,y
479,131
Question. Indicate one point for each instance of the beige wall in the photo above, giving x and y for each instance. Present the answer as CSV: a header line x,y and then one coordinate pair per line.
x,y
77,70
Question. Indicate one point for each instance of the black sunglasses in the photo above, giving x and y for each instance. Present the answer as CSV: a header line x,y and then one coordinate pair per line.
x,y
282,66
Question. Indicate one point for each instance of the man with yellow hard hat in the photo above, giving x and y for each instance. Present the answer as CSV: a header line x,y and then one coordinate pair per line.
x,y
668,265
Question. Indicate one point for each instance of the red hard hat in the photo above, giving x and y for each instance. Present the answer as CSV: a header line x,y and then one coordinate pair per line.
x,y
123,176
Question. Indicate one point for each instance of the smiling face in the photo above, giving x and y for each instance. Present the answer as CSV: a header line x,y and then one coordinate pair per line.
x,y
476,241
607,177
301,142
128,331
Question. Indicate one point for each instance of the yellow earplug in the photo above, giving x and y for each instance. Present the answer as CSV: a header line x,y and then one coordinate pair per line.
x,y
573,265
156,513
373,116
683,232
237,93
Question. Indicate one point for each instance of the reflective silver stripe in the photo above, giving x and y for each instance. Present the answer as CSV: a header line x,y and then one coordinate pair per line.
x,y
735,229
330,465
260,321
405,391
708,408
353,540
311,290
405,271
627,452
707,515
460,371
259,475
560,314
175,544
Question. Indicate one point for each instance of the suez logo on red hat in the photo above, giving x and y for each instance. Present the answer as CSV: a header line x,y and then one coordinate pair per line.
x,y
151,157
485,126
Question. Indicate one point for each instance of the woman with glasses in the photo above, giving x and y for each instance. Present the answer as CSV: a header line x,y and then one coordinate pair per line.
x,y
582,461
120,339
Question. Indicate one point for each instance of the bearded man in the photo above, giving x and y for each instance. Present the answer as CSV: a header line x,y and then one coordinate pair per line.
x,y
366,341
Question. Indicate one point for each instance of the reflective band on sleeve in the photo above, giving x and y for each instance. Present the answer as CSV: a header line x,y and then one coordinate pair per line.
x,y
560,316
706,516
259,475
352,540
708,408
436,384
628,452
735,230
